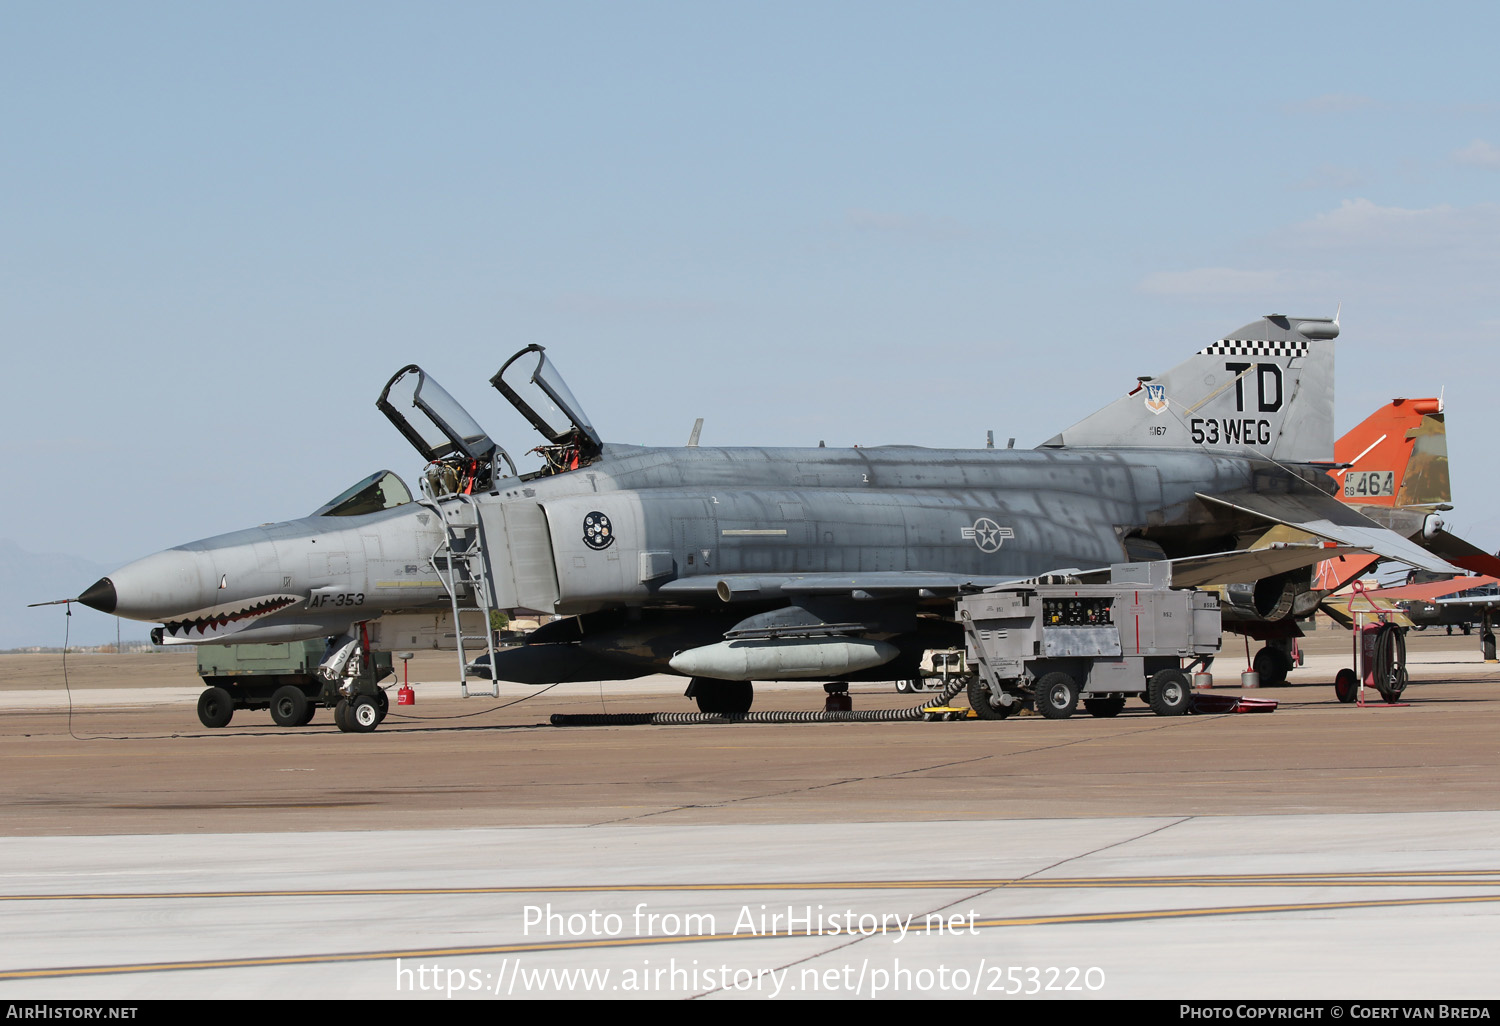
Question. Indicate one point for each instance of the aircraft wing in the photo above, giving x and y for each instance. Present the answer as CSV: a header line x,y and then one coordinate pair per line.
x,y
889,584
1471,600
1322,515
1431,591
1187,572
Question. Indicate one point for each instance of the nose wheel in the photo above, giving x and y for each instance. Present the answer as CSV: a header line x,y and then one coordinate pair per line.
x,y
362,714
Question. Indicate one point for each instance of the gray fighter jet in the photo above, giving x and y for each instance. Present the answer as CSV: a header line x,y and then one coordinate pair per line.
x,y
730,565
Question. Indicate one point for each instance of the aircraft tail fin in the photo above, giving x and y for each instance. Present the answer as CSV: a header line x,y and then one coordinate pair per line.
x,y
1266,389
1397,456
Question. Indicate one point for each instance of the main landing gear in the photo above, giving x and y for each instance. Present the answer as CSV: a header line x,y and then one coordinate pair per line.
x,y
734,697
724,697
1273,663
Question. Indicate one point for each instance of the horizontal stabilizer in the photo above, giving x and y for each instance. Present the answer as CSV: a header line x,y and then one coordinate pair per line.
x,y
1324,516
1461,553
1241,564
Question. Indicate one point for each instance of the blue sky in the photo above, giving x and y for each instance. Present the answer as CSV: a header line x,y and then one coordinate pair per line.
x,y
225,226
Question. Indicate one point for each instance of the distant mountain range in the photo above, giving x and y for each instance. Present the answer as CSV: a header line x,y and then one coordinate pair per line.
x,y
27,577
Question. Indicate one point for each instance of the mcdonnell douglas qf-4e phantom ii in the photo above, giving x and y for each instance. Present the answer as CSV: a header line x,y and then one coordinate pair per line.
x,y
730,565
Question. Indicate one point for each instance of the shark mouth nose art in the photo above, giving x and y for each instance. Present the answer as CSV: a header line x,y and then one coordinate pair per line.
x,y
226,619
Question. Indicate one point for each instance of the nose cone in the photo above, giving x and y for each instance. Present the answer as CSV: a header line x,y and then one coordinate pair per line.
x,y
161,587
100,595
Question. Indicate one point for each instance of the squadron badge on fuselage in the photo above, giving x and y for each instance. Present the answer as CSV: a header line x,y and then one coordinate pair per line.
x,y
597,533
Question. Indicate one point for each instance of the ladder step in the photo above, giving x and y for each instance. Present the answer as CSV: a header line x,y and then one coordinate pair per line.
x,y
460,564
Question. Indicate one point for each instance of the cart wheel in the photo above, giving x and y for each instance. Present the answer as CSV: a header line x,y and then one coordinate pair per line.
x,y
1346,685
215,707
289,706
1169,693
979,701
1056,696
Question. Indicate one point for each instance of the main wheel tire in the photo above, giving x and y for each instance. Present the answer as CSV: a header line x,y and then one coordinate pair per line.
x,y
1105,707
289,706
383,703
363,715
979,701
1056,696
341,716
1346,686
215,708
1169,693
723,697
1273,665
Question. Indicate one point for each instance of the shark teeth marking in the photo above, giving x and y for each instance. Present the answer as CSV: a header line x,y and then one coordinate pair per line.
x,y
217,621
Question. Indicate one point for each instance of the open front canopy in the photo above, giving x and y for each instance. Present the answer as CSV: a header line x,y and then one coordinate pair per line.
x,y
534,388
443,432
431,419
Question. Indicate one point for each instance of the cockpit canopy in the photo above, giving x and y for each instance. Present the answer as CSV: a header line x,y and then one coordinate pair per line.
x,y
461,456
439,428
381,490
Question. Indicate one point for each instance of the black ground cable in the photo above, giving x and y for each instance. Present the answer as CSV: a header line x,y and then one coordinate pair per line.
x,y
413,718
676,718
1390,661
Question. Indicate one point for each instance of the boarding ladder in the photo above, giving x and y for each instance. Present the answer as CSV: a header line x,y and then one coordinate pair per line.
x,y
462,565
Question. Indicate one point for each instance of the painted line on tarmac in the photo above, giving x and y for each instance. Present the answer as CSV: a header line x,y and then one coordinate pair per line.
x,y
630,942
1414,878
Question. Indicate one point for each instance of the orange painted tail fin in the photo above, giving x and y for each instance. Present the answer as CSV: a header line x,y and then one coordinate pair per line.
x,y
1399,456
